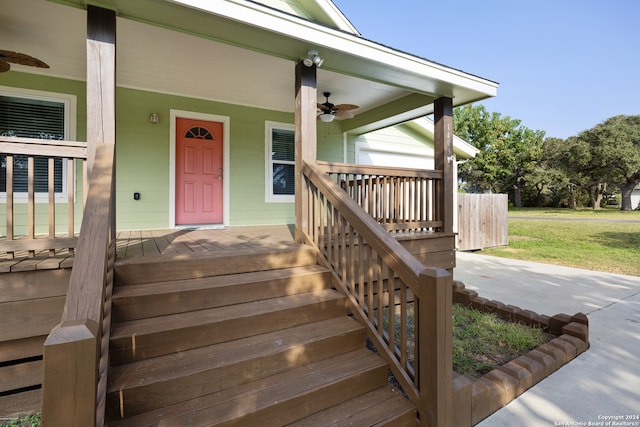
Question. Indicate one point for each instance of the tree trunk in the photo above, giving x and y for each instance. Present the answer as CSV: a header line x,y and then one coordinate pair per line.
x,y
517,194
572,197
539,195
626,190
596,193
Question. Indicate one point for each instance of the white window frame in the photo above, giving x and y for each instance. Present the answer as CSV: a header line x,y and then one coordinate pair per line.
x,y
268,181
70,114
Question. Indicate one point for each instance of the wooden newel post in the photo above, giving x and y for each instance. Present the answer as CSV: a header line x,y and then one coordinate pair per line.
x,y
443,159
435,347
305,141
70,375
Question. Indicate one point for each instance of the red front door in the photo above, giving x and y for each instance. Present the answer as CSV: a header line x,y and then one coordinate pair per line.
x,y
198,172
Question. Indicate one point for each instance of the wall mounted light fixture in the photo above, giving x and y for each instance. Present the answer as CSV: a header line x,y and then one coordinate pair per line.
x,y
312,59
153,118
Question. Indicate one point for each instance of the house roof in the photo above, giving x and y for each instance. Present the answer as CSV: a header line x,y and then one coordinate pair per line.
x,y
240,52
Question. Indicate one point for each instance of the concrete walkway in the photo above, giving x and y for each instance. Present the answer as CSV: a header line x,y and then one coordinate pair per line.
x,y
601,383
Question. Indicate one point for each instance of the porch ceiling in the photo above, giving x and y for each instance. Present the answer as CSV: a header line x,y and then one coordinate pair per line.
x,y
234,55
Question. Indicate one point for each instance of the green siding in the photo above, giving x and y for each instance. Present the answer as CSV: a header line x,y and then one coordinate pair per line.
x,y
330,147
142,152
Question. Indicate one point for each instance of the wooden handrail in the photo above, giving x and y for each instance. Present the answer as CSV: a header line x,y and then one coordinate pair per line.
x,y
333,167
76,351
399,259
43,147
379,277
48,149
404,200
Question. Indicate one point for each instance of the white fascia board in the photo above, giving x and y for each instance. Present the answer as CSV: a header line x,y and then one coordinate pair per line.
x,y
337,16
409,71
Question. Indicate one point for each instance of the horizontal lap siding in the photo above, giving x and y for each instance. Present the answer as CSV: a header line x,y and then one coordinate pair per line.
x,y
143,154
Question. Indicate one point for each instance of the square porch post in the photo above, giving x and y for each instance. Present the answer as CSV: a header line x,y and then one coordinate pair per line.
x,y
305,141
101,85
443,159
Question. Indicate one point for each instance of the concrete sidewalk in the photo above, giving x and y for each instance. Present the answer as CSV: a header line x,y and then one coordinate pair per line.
x,y
601,383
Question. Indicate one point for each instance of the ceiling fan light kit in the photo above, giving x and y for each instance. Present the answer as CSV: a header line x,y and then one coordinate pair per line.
x,y
312,59
327,117
328,111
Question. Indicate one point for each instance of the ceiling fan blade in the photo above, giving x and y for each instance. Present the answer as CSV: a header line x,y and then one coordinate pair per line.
x,y
21,58
4,66
323,107
341,115
344,107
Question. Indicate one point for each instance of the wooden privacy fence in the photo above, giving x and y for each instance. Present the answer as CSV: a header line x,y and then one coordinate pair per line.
x,y
380,278
482,221
22,159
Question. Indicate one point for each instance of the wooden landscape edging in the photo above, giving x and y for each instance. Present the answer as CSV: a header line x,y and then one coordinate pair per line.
x,y
474,399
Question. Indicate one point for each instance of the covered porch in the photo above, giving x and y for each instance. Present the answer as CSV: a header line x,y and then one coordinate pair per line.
x,y
352,218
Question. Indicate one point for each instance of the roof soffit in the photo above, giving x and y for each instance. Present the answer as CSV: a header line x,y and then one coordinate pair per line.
x,y
256,27
367,74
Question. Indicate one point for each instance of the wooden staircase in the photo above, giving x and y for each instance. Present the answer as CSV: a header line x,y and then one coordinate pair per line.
x,y
242,338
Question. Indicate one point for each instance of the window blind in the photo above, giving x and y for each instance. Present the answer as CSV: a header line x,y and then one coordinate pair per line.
x,y
283,161
31,118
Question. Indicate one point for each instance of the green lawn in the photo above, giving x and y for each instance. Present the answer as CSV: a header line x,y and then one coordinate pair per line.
x,y
581,213
602,245
481,341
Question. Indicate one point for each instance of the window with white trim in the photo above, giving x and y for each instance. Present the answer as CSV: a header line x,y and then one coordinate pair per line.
x,y
32,115
280,165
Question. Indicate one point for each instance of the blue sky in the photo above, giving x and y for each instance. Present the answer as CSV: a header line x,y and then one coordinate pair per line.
x,y
563,65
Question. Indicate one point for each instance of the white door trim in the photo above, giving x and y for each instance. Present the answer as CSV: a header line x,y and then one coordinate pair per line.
x,y
226,121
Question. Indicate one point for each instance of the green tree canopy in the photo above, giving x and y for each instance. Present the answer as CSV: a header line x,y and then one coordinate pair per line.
x,y
611,151
508,154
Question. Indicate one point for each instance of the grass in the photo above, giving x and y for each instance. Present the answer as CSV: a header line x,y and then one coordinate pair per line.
x,y
580,213
32,420
605,245
482,341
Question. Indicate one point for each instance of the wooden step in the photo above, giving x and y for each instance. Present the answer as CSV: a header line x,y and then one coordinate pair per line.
x,y
157,299
150,384
163,268
278,399
151,337
384,406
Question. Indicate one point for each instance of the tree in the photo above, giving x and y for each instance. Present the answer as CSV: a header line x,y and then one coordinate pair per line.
x,y
555,175
614,150
509,152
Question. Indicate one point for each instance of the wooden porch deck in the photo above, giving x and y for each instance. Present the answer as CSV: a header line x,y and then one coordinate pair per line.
x,y
164,242
199,241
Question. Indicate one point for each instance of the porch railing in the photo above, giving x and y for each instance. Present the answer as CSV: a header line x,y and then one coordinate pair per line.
x,y
30,228
406,307
402,200
76,351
